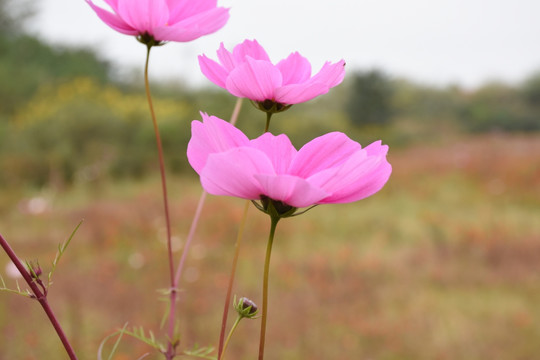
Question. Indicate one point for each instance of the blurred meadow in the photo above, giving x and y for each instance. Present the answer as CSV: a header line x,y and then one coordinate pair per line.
x,y
443,263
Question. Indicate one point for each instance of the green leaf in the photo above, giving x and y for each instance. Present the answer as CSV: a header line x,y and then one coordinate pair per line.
x,y
61,249
4,288
100,349
202,353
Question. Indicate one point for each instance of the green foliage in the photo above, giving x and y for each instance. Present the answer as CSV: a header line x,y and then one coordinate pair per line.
x,y
370,98
499,107
448,247
531,90
27,64
89,132
13,15
425,103
64,120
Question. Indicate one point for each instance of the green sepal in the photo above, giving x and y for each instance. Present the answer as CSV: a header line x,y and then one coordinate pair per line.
x,y
270,106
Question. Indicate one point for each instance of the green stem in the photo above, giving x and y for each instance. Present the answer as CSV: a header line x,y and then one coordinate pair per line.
x,y
221,347
273,224
235,325
172,343
268,117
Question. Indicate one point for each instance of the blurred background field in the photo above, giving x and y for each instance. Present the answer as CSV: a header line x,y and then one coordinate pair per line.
x,y
443,263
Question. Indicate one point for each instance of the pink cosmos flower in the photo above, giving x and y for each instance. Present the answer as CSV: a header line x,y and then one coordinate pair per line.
x,y
247,72
329,169
164,20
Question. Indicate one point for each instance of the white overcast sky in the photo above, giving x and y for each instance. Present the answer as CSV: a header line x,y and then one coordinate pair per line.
x,y
464,42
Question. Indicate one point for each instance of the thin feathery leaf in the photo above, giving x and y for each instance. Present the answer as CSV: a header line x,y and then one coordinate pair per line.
x,y
137,333
12,291
30,269
140,334
201,353
166,314
115,347
61,249
100,348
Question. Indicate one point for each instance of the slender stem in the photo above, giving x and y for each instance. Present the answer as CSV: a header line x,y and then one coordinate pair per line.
x,y
171,347
268,117
40,296
190,236
195,222
273,224
235,325
161,163
236,111
221,348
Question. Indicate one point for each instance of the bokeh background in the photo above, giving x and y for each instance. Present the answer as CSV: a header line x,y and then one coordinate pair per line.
x,y
443,263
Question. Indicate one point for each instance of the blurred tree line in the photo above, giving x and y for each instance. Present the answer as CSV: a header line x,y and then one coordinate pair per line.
x,y
65,118
377,99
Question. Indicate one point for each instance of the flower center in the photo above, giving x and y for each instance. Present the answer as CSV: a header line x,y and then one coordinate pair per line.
x,y
149,40
276,207
270,106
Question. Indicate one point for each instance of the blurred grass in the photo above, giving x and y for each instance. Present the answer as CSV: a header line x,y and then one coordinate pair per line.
x,y
443,263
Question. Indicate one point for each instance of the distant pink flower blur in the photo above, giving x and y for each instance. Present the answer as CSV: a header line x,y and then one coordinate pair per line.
x,y
163,20
247,72
329,169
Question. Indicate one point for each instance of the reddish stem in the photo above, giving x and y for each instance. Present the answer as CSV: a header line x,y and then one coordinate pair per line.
x,y
172,343
231,281
40,296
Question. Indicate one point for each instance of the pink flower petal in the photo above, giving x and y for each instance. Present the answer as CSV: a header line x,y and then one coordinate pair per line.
x,y
175,33
322,153
298,93
213,71
232,173
113,4
290,84
291,190
113,20
226,58
212,135
193,27
367,185
330,74
254,79
182,9
295,69
360,176
278,149
376,149
249,48
144,15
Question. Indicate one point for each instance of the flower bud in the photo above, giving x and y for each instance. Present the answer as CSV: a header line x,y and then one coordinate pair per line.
x,y
34,269
245,307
